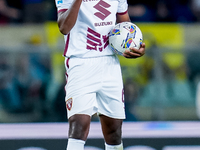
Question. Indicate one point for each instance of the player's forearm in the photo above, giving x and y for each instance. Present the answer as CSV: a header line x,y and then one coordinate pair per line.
x,y
66,20
123,18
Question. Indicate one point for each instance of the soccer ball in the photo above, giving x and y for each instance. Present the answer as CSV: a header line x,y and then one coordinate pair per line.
x,y
123,36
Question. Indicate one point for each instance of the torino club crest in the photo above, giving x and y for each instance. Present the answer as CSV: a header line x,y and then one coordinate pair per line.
x,y
69,104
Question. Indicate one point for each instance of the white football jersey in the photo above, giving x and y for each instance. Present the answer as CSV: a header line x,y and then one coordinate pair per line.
x,y
89,36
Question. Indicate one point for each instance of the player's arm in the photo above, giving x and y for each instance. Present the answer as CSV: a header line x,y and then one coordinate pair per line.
x,y
67,18
123,17
133,53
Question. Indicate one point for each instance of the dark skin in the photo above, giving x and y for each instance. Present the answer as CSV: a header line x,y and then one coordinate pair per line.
x,y
79,124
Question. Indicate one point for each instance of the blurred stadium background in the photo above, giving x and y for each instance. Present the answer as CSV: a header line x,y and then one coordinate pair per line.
x,y
161,87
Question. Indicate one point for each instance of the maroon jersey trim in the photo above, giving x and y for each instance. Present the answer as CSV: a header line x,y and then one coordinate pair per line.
x,y
66,45
62,10
122,13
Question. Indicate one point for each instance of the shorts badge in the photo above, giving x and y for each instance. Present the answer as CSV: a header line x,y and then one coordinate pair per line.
x,y
69,104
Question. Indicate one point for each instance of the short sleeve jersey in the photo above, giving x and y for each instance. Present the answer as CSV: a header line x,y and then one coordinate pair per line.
x,y
89,35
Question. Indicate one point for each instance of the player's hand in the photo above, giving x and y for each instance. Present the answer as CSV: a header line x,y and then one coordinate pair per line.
x,y
135,53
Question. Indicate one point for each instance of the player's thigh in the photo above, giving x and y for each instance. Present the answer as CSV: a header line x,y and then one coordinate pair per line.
x,y
82,84
82,104
111,96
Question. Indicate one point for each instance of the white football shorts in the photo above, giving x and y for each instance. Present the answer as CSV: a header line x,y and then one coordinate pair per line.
x,y
94,85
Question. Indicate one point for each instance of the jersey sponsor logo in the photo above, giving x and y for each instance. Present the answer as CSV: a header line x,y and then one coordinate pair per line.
x,y
102,7
59,1
96,41
69,103
103,23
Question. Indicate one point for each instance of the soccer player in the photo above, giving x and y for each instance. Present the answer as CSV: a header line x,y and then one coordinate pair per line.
x,y
94,80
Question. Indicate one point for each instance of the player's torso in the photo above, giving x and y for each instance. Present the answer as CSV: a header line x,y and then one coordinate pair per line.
x,y
89,36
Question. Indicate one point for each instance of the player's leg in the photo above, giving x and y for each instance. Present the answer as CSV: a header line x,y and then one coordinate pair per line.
x,y
112,131
111,104
79,125
81,87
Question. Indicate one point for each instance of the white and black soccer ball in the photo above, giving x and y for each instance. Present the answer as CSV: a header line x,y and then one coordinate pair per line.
x,y
125,35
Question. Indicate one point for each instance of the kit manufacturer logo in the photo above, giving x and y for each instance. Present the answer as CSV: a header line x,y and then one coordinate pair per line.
x,y
102,8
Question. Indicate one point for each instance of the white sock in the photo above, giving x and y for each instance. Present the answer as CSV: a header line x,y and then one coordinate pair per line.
x,y
114,147
74,144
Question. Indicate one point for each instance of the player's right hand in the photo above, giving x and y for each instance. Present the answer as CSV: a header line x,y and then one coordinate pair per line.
x,y
135,53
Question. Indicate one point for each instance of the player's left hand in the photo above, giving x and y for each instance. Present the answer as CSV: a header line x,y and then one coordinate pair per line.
x,y
135,53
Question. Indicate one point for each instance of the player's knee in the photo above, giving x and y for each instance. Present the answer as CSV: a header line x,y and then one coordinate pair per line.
x,y
113,140
79,126
113,136
111,130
